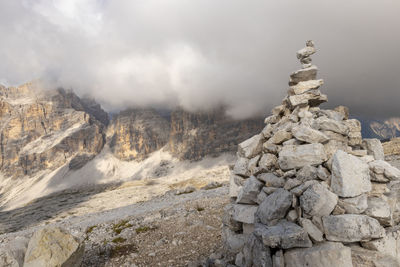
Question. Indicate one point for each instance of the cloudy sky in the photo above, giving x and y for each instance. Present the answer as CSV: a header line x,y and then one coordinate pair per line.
x,y
199,54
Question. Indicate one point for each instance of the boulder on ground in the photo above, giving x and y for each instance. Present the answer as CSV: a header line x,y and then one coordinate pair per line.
x,y
53,246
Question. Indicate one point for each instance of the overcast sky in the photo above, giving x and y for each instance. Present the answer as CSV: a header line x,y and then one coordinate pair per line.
x,y
198,54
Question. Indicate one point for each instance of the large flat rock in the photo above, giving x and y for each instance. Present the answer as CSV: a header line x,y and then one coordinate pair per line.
x,y
296,157
351,228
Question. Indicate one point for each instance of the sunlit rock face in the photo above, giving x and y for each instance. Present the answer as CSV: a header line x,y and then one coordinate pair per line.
x,y
195,135
45,129
135,133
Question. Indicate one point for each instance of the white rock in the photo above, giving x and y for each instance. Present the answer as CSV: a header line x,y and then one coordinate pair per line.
x,y
310,98
351,228
252,165
313,232
251,147
379,208
292,157
306,52
235,184
327,124
354,205
303,87
328,254
53,246
244,213
323,173
303,75
241,167
318,201
279,137
388,245
268,161
350,175
249,192
267,131
374,148
364,257
382,171
309,135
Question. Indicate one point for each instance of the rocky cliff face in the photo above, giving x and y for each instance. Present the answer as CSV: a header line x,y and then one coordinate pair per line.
x,y
195,135
135,133
43,130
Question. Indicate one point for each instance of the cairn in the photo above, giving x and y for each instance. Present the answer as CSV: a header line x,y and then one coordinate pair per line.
x,y
309,191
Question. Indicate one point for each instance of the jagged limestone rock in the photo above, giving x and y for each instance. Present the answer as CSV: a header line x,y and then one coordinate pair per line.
x,y
318,201
351,228
274,207
249,192
350,175
251,147
354,205
244,213
374,148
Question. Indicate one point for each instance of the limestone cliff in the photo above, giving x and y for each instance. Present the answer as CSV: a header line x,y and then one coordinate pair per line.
x,y
43,129
195,135
135,133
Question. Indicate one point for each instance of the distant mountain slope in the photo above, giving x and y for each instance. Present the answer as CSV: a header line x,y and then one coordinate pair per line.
x,y
381,129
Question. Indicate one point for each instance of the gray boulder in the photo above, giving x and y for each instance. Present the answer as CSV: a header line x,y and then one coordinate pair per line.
x,y
274,207
250,190
326,124
317,200
271,180
244,213
283,235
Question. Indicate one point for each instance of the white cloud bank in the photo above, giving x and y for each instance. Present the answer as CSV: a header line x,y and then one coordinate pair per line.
x,y
198,54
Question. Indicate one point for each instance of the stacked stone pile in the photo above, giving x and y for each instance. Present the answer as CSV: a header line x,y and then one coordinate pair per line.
x,y
309,191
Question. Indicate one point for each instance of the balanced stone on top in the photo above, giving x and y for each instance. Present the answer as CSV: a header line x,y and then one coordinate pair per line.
x,y
309,179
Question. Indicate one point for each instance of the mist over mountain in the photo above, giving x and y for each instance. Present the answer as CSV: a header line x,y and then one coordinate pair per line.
x,y
200,55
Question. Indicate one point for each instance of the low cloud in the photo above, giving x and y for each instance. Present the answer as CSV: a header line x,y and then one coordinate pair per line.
x,y
200,54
